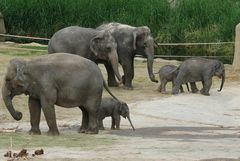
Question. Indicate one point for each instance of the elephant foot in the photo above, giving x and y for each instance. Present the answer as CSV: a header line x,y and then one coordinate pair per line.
x,y
128,87
174,92
82,130
101,128
113,128
113,84
92,131
195,90
34,132
163,92
204,93
53,133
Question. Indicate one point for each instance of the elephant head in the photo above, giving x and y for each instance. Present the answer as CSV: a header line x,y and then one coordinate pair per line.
x,y
219,71
14,84
104,47
143,44
124,112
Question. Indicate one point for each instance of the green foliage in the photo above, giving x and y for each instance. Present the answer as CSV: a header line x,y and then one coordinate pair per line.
x,y
184,21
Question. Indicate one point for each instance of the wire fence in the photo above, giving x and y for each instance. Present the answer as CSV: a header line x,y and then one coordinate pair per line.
x,y
156,56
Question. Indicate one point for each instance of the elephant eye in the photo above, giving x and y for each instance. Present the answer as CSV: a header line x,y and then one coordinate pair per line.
x,y
108,48
145,44
7,79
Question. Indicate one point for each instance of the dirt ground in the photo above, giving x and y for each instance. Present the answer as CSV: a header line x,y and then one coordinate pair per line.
x,y
182,127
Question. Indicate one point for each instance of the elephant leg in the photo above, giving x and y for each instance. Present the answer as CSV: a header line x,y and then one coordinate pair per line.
x,y
117,122
113,123
111,76
163,86
181,89
206,86
49,112
194,87
159,88
84,126
100,121
91,108
128,69
178,82
100,124
35,114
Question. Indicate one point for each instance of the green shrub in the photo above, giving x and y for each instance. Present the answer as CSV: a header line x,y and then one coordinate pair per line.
x,y
185,21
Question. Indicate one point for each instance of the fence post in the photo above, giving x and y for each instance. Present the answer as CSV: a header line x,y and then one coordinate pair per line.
x,y
2,27
236,59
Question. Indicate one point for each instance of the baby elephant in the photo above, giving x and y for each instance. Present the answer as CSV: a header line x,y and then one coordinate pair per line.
x,y
168,73
113,108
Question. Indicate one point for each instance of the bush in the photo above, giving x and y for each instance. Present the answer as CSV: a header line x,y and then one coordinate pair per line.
x,y
185,21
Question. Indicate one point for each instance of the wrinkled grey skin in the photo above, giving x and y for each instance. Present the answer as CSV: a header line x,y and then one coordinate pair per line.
x,y
113,108
200,69
58,79
168,73
87,42
130,41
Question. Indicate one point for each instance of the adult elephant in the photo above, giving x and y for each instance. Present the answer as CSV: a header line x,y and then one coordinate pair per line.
x,y
199,69
60,79
87,42
130,41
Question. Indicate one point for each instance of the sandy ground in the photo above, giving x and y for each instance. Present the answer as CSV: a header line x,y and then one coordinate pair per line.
x,y
185,127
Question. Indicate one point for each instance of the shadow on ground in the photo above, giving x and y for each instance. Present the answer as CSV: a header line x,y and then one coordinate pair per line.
x,y
180,132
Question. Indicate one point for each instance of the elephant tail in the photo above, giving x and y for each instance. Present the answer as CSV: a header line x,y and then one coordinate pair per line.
x,y
108,90
156,72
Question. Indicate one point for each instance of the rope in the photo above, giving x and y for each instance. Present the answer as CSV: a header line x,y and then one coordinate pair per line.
x,y
156,56
191,44
24,37
159,44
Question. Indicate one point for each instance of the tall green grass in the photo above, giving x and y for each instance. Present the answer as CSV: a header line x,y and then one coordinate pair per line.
x,y
185,21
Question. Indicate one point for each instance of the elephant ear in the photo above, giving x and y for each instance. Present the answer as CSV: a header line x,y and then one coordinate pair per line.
x,y
101,45
120,107
19,66
95,41
140,34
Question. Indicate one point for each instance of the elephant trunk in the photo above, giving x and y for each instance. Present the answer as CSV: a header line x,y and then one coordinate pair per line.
x,y
222,83
6,95
128,117
150,68
114,62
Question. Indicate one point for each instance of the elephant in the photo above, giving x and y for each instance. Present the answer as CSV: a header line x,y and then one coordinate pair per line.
x,y
168,73
87,42
61,79
114,108
200,69
130,41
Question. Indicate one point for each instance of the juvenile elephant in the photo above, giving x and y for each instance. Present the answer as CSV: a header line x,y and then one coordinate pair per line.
x,y
130,41
87,42
168,73
113,108
58,79
199,69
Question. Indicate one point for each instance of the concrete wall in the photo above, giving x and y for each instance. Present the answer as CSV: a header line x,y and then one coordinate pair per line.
x,y
2,27
236,60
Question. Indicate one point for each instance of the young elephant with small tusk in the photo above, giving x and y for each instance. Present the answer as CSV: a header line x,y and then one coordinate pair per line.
x,y
113,108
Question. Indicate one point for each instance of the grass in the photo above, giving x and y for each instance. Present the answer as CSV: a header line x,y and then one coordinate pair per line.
x,y
21,53
33,47
23,140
